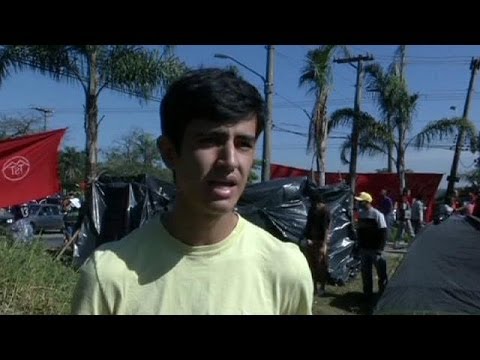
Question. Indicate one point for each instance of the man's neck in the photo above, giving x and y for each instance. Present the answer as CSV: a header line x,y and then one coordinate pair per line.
x,y
195,228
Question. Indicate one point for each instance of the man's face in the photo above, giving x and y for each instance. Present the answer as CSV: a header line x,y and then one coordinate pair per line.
x,y
214,164
363,204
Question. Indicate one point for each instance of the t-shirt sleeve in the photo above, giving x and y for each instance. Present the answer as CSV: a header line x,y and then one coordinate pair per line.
x,y
381,220
88,297
297,295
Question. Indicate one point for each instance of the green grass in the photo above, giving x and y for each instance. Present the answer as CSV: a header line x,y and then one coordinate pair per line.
x,y
348,299
31,282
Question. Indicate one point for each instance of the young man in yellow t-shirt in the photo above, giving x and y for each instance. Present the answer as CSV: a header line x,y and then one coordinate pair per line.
x,y
201,257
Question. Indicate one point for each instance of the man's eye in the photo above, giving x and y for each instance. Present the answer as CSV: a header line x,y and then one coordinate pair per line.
x,y
245,144
208,141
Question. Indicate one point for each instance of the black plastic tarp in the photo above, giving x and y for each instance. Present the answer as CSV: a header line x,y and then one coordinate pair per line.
x,y
281,206
440,274
119,205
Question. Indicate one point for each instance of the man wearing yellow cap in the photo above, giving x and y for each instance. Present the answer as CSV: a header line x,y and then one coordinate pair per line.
x,y
372,235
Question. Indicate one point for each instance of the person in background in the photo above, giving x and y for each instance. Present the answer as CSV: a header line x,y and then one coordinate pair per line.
x,y
404,215
316,247
372,235
386,208
455,202
418,211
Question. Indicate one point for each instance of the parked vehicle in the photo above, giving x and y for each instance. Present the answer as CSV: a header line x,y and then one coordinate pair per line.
x,y
45,217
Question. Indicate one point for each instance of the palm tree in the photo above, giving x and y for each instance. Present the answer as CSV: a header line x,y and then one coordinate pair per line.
x,y
396,105
447,127
369,134
406,108
317,75
385,87
372,134
133,70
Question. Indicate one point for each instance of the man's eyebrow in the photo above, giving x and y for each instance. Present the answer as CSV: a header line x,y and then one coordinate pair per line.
x,y
221,134
202,133
248,138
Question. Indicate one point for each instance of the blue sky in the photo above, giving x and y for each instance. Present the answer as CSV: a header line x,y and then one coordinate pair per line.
x,y
439,73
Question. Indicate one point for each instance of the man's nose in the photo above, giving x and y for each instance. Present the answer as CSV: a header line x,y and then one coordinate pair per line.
x,y
228,155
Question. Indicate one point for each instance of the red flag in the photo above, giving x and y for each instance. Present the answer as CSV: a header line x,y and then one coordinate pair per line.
x,y
29,167
425,185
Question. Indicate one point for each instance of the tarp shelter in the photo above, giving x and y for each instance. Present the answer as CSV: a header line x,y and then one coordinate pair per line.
x,y
420,184
281,206
119,205
440,273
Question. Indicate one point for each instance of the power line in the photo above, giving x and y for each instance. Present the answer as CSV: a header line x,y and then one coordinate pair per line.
x,y
292,61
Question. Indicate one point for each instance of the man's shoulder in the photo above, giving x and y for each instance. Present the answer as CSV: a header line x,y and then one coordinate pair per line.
x,y
265,239
125,250
371,214
281,255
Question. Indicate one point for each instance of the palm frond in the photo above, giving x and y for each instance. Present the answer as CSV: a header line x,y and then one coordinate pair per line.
x,y
5,63
375,131
317,71
366,147
151,69
345,149
375,78
438,130
400,52
370,148
341,117
55,61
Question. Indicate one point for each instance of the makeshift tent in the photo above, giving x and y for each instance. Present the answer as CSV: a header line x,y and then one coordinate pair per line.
x,y
440,273
281,206
119,205
424,185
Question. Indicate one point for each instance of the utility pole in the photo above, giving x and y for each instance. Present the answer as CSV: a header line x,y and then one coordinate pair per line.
x,y
453,178
46,114
267,131
402,129
402,60
355,133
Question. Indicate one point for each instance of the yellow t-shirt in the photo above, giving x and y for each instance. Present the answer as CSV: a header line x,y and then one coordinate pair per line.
x,y
151,272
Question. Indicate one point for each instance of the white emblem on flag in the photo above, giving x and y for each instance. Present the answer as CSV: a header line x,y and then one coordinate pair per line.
x,y
16,168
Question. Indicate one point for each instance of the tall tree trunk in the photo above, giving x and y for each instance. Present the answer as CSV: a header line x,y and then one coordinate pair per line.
x,y
320,173
390,146
401,158
403,126
92,118
322,138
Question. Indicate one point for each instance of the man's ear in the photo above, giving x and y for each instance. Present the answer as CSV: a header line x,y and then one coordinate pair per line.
x,y
167,151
